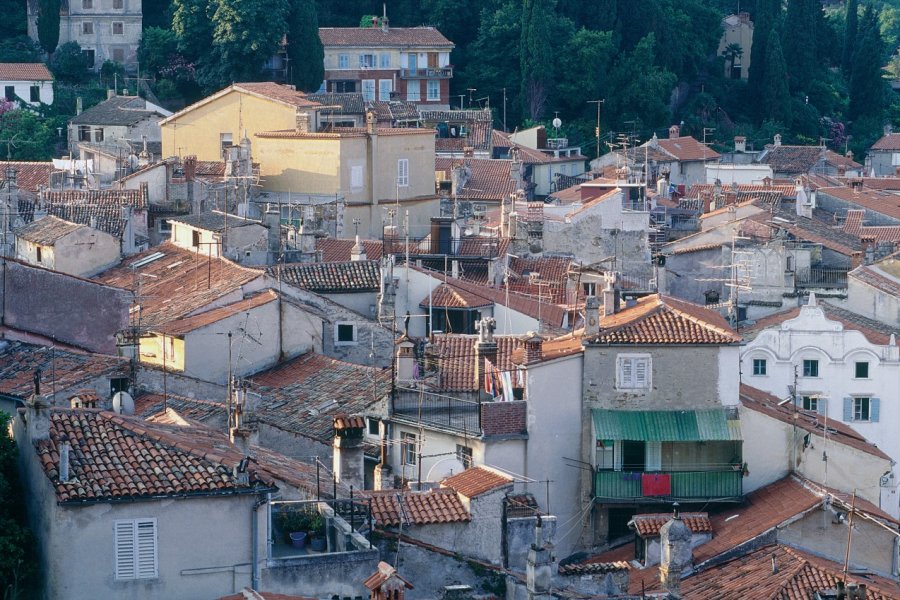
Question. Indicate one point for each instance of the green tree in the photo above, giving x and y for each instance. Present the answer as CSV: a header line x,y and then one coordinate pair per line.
x,y
799,42
158,47
764,22
14,21
19,49
48,24
35,138
642,88
304,48
584,69
193,26
16,542
69,63
731,53
867,85
850,31
536,55
776,98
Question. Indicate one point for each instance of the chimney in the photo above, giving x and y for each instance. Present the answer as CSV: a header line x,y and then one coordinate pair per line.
x,y
245,436
406,360
371,123
79,103
740,143
302,122
64,462
383,469
538,566
888,129
777,139
273,222
128,243
189,165
674,131
38,418
386,584
358,252
533,347
347,463
384,19
110,93
611,295
591,316
675,559
485,349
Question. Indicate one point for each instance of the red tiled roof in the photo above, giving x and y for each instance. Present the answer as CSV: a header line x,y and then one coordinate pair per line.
x,y
349,422
178,283
853,224
194,322
660,319
60,369
338,250
384,572
331,277
841,161
447,295
791,159
648,525
375,37
30,176
476,481
593,568
117,458
871,275
456,359
767,404
529,156
277,92
744,190
552,277
24,72
46,230
877,183
488,179
878,201
391,507
890,142
133,198
686,148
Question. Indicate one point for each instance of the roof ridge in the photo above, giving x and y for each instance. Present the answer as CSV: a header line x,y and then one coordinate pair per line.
x,y
696,319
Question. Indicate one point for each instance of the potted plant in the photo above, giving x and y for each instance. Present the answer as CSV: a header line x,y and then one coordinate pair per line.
x,y
317,533
294,526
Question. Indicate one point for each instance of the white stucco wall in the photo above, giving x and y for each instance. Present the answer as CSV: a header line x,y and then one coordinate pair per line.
x,y
22,89
872,302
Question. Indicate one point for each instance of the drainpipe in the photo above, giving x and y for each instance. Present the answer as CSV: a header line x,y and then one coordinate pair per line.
x,y
254,533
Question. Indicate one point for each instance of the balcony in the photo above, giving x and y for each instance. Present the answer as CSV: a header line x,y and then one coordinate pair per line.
x,y
442,411
816,277
427,73
627,486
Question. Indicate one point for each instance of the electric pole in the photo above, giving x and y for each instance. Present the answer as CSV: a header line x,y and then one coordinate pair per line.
x,y
599,103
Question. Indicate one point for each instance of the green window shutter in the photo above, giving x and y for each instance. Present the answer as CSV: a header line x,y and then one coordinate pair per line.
x,y
874,409
848,409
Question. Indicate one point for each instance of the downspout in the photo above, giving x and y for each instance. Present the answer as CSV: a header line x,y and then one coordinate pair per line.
x,y
254,533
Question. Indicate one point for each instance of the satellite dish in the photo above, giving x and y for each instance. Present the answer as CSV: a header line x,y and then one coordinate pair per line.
x,y
123,403
557,122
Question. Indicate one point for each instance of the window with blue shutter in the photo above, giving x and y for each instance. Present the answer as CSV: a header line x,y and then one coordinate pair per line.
x,y
848,409
874,409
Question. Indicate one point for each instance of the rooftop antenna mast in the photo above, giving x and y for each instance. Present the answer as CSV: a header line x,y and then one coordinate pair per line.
x,y
740,272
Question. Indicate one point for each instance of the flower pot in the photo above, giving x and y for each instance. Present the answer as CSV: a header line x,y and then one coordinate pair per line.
x,y
318,544
298,539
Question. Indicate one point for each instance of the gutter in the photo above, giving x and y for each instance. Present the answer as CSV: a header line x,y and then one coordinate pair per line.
x,y
254,539
132,499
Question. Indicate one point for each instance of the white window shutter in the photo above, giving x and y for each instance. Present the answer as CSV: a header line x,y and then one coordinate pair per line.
x,y
146,549
627,372
125,546
874,409
640,373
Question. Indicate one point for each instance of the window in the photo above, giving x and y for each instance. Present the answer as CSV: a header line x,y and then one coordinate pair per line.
x,y
89,56
759,366
35,93
368,90
356,177
862,370
9,92
384,61
118,4
38,253
862,409
366,61
344,334
895,159
84,133
118,28
168,348
606,454
413,89
633,371
136,549
813,403
407,448
372,426
810,368
385,87
195,239
118,384
434,89
118,55
163,226
87,27
98,134
403,172
464,455
87,3
343,61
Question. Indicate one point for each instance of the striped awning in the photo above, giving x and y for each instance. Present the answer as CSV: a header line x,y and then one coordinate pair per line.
x,y
666,425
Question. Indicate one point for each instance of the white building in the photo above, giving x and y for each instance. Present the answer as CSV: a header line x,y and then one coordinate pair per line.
x,y
26,83
833,362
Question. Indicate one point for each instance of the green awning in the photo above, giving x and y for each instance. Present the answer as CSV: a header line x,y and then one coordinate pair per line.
x,y
666,425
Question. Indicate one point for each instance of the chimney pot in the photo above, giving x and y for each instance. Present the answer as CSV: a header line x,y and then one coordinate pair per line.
x,y
591,316
64,462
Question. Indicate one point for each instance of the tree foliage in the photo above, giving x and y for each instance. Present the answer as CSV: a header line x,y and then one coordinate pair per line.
x,y
48,24
305,53
867,87
536,55
16,542
775,93
19,49
850,30
69,63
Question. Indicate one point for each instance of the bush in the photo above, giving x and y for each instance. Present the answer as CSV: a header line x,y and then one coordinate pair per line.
x,y
69,63
20,49
17,561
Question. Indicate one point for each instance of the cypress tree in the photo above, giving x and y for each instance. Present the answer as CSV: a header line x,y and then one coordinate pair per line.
x,y
764,21
850,32
776,97
799,42
867,91
305,52
48,25
536,55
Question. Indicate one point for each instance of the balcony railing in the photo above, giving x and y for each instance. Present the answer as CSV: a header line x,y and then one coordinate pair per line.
x,y
626,486
455,414
427,73
821,278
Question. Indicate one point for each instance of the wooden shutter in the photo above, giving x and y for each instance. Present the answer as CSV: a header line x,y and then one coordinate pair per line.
x,y
848,409
146,554
125,545
641,372
627,372
874,409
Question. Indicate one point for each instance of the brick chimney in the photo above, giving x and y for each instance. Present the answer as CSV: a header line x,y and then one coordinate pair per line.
x,y
675,558
533,347
539,566
303,122
347,448
386,584
611,299
591,316
485,349
674,131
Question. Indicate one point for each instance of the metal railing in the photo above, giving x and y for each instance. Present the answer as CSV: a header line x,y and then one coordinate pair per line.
x,y
627,486
428,72
814,277
470,247
448,412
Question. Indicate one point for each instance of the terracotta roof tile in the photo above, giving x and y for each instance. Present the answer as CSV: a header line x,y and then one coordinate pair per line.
x,y
105,218
46,230
885,203
743,192
488,179
875,277
648,525
375,37
338,250
551,274
349,422
841,161
854,225
456,359
206,318
115,198
24,72
476,481
795,160
392,507
30,176
686,148
598,568
889,142
447,295
384,572
278,92
331,277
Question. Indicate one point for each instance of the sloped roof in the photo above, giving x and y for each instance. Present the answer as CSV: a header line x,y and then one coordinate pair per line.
x,y
276,92
24,72
841,161
384,572
46,230
873,276
350,103
456,359
793,160
552,277
475,481
854,224
648,525
103,217
339,250
133,198
889,142
658,319
878,201
331,277
215,221
489,179
304,395
210,317
529,156
393,37
178,282
686,149
390,508
447,295
118,110
874,331
114,457
30,176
